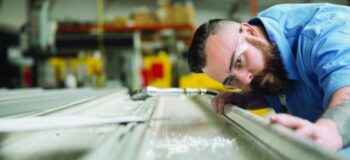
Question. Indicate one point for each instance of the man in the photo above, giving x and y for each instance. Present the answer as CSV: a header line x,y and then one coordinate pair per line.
x,y
292,57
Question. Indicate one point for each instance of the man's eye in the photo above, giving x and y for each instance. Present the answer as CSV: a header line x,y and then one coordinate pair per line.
x,y
238,63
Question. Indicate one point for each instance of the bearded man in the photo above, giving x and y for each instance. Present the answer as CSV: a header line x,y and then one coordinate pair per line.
x,y
294,58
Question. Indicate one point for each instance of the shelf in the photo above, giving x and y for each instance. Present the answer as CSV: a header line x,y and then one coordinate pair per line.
x,y
76,41
110,28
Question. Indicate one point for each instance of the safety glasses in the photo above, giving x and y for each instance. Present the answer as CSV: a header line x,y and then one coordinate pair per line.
x,y
236,66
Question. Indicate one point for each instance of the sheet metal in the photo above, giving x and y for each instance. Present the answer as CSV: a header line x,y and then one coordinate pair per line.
x,y
189,131
175,128
84,142
26,102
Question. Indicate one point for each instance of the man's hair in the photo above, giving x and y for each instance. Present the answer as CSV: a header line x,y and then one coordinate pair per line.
x,y
196,53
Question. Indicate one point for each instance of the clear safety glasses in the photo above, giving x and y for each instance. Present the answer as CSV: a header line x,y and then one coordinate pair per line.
x,y
231,82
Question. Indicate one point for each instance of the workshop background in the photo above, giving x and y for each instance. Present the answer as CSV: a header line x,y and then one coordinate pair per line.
x,y
103,43
68,67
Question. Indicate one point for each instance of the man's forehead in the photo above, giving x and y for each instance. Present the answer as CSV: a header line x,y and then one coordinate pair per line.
x,y
221,39
219,48
228,28
221,44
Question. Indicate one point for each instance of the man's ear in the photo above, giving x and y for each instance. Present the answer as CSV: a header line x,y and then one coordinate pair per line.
x,y
249,29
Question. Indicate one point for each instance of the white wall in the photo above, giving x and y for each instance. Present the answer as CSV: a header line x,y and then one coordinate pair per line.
x,y
124,7
204,14
13,13
74,10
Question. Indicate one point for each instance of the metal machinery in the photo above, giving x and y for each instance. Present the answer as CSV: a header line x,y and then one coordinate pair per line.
x,y
105,124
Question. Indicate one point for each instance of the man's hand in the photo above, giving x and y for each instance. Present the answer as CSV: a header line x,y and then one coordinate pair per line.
x,y
243,100
323,131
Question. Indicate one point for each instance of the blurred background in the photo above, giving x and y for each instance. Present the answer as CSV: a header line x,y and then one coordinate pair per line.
x,y
106,43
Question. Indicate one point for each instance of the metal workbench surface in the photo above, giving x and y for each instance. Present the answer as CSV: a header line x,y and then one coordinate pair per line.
x,y
167,128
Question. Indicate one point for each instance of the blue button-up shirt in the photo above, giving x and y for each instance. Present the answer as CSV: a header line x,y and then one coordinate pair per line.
x,y
314,45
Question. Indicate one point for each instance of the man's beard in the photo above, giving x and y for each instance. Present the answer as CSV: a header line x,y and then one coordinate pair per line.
x,y
273,78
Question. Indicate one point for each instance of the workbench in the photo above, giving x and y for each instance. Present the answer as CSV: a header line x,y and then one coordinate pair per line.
x,y
161,127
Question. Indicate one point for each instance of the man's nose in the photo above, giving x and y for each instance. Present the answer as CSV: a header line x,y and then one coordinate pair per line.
x,y
245,77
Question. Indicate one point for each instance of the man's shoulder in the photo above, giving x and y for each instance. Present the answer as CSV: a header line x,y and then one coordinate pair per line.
x,y
290,7
311,19
299,9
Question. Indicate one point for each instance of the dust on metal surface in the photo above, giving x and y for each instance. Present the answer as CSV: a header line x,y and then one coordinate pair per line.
x,y
188,131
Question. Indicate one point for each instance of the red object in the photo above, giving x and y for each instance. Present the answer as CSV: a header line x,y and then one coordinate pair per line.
x,y
27,78
145,77
157,71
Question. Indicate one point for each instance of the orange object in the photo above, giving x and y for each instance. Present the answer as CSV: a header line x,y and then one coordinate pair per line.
x,y
253,7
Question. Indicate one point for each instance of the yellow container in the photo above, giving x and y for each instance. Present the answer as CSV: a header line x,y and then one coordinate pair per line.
x,y
157,70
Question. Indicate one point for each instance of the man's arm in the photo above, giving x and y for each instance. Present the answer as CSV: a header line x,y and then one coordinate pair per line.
x,y
244,100
332,130
339,113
